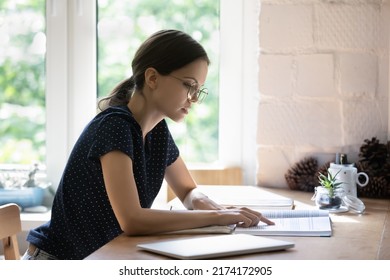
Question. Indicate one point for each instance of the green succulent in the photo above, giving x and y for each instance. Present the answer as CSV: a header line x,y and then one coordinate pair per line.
x,y
329,182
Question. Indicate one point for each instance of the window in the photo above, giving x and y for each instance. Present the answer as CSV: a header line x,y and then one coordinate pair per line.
x,y
71,79
22,81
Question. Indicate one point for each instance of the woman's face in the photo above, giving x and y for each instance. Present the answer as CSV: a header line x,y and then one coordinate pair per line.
x,y
172,98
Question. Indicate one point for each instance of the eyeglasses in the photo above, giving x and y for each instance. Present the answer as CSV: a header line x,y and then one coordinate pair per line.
x,y
194,94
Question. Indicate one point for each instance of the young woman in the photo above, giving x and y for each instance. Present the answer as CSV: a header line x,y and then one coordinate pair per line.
x,y
119,162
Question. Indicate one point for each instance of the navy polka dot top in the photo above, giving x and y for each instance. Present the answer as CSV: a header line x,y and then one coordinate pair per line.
x,y
82,218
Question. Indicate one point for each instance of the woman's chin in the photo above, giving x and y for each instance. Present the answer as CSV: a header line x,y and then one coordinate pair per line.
x,y
180,116
178,119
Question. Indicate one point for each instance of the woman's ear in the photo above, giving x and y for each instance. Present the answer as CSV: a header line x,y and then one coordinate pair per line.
x,y
151,78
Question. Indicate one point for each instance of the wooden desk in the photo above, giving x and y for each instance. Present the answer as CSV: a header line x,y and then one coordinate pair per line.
x,y
355,236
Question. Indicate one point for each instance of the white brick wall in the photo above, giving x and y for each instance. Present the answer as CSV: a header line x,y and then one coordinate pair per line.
x,y
279,24
315,76
358,74
323,80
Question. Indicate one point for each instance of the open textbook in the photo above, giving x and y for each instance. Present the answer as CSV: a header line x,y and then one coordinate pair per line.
x,y
254,203
204,230
258,203
287,223
293,223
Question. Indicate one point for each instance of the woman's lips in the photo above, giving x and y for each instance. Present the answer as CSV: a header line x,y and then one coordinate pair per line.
x,y
186,110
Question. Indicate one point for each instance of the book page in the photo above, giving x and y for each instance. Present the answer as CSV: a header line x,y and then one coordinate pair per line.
x,y
277,214
297,224
285,203
287,224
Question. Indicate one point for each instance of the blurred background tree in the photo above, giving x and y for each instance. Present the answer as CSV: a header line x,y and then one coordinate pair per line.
x,y
22,81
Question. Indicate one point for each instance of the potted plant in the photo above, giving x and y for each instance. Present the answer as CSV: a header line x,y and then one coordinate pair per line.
x,y
329,194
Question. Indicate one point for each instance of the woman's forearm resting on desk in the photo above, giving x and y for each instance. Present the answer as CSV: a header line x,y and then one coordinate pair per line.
x,y
204,212
137,220
196,200
153,221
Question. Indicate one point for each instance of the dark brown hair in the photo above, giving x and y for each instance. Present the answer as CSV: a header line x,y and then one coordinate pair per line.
x,y
166,51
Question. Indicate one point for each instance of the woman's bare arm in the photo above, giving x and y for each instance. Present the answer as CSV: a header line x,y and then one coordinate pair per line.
x,y
135,220
184,186
180,180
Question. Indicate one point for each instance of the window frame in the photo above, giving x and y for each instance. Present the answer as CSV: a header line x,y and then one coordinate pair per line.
x,y
70,78
238,112
71,83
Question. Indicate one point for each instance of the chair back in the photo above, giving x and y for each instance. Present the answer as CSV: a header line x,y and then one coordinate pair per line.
x,y
10,226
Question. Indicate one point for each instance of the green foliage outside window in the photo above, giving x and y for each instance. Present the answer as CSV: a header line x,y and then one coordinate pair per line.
x,y
22,81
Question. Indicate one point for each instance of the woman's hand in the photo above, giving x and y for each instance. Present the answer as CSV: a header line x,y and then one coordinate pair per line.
x,y
202,202
196,200
243,217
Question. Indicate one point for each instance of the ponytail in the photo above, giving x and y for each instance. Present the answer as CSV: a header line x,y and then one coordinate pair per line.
x,y
120,95
166,51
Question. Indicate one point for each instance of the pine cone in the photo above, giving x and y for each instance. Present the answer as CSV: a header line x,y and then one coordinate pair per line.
x,y
301,176
386,167
386,171
373,156
323,170
374,159
378,187
307,183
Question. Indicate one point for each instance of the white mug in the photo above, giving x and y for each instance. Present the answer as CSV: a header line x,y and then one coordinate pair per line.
x,y
349,177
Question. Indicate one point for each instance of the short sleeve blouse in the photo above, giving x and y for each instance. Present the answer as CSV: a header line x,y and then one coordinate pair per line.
x,y
82,218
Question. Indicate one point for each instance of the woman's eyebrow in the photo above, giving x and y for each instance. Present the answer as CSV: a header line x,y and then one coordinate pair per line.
x,y
192,78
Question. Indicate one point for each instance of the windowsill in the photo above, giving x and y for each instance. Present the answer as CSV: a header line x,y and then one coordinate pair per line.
x,y
33,220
